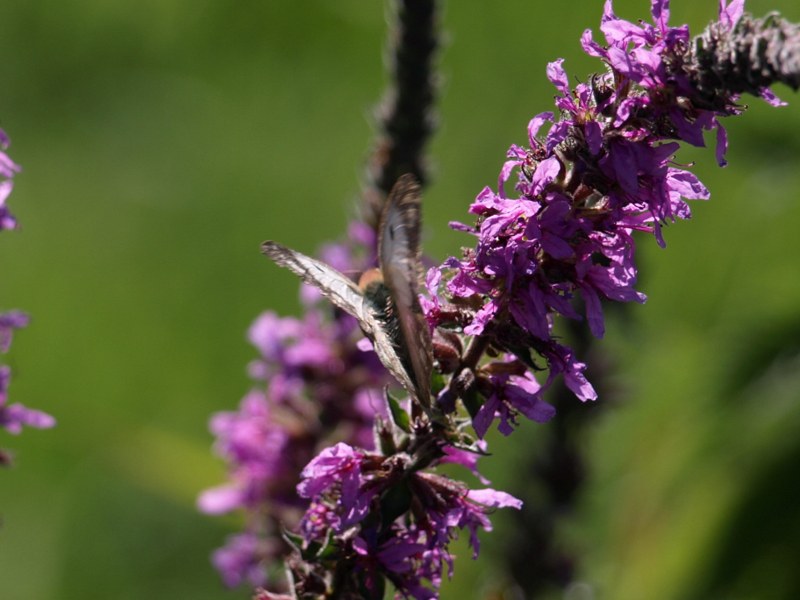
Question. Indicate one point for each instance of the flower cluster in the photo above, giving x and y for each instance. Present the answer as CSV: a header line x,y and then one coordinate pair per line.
x,y
563,242
316,387
12,416
381,517
372,499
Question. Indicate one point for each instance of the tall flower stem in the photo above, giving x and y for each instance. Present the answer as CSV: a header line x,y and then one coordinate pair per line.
x,y
405,116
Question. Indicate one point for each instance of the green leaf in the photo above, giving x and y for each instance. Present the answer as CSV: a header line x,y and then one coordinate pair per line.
x,y
437,383
399,416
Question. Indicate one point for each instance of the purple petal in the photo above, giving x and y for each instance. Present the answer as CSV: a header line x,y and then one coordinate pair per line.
x,y
729,15
482,317
536,124
594,311
13,418
594,136
505,173
494,498
546,171
591,47
722,144
660,11
558,77
483,419
220,500
687,185
770,97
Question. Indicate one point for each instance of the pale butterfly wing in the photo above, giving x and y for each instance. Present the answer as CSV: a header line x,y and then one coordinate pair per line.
x,y
399,256
344,294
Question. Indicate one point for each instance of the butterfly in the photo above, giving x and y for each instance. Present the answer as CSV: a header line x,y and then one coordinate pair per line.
x,y
386,304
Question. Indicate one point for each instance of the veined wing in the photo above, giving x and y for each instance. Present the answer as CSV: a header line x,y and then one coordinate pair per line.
x,y
399,256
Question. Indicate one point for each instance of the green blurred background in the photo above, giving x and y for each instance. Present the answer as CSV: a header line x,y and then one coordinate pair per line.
x,y
163,140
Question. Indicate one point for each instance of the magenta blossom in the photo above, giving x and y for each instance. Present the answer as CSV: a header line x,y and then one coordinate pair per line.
x,y
8,168
561,244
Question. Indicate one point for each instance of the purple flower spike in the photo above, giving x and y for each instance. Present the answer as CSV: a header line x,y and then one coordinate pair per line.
x,y
563,245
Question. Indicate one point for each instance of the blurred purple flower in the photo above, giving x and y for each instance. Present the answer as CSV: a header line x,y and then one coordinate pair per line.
x,y
14,416
316,386
240,560
8,168
10,321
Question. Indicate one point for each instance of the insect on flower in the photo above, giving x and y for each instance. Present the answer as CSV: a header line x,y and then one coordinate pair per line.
x,y
386,304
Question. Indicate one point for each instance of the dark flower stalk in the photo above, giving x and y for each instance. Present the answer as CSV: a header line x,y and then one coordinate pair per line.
x,y
12,416
747,58
405,116
533,554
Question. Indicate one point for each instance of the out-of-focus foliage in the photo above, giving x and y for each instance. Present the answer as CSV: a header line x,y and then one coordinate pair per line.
x,y
162,141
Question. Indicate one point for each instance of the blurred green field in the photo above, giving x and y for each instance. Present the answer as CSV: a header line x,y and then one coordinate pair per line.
x,y
163,140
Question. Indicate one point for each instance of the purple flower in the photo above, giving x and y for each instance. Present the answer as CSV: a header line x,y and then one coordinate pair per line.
x,y
240,560
315,386
512,394
554,239
8,323
353,495
338,469
256,448
562,243
8,168
13,417
447,506
7,220
403,557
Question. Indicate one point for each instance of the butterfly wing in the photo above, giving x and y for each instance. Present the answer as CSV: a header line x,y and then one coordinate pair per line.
x,y
399,255
344,294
